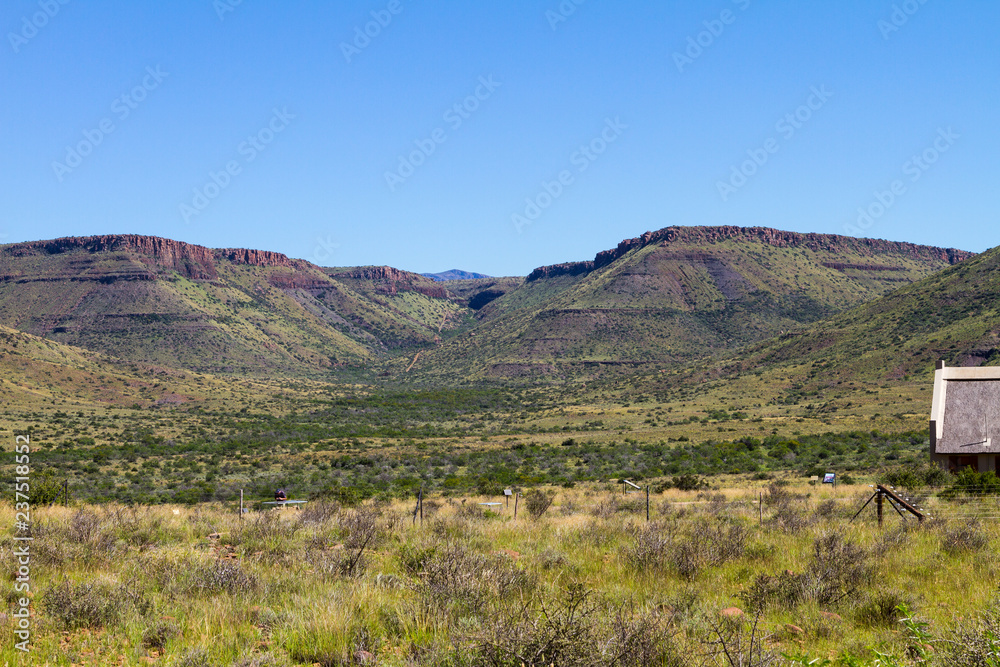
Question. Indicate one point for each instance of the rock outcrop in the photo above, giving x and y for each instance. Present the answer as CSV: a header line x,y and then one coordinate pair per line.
x,y
191,261
388,280
252,257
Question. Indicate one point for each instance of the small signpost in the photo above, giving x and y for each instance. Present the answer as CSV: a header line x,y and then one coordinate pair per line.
x,y
507,494
830,478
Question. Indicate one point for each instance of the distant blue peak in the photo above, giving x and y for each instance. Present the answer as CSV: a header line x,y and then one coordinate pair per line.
x,y
455,274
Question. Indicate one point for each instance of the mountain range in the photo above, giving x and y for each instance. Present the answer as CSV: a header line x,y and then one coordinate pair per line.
x,y
661,300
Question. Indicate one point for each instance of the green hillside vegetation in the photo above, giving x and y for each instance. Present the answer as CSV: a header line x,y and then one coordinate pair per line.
x,y
248,320
877,357
671,302
953,315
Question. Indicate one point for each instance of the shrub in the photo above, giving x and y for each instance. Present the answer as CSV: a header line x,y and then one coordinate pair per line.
x,y
653,547
575,629
194,657
784,590
976,641
336,562
606,508
971,483
914,476
261,660
968,537
785,511
456,575
222,576
94,604
881,609
85,526
414,559
362,527
827,508
659,546
45,488
157,635
838,569
688,482
318,512
740,642
537,503
550,559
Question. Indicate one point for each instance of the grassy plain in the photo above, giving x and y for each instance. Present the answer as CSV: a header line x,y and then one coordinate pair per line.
x,y
588,582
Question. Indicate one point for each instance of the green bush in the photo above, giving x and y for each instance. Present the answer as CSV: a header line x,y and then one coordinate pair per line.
x,y
971,483
689,483
914,476
537,503
45,488
94,604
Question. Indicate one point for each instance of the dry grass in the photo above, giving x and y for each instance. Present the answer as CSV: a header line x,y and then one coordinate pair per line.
x,y
594,584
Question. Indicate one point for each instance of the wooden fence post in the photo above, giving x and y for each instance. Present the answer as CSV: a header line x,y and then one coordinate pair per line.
x,y
516,496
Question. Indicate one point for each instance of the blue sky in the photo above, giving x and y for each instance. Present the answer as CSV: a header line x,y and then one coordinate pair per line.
x,y
276,126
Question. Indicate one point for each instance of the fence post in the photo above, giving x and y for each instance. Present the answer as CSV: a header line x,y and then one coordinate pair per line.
x,y
241,504
647,502
66,492
516,496
420,501
878,505
760,508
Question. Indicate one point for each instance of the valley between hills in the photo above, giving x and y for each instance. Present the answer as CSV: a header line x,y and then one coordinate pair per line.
x,y
150,370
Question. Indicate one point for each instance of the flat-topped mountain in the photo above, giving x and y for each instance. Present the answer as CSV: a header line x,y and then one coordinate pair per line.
x,y
773,237
232,310
676,294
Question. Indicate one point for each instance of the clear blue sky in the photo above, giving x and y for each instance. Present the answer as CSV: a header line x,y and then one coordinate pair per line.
x,y
315,185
